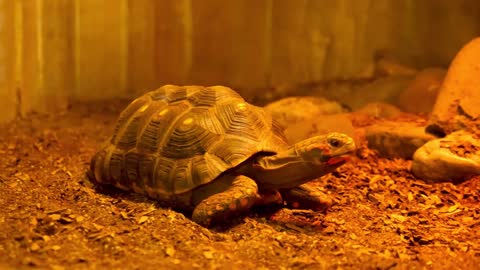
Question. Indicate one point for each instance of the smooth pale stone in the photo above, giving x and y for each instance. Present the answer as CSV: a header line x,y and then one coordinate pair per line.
x,y
454,158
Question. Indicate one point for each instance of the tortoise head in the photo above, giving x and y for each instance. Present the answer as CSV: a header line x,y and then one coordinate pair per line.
x,y
304,161
332,149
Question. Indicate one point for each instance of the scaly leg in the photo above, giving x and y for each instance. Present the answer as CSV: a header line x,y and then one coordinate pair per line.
x,y
306,197
239,195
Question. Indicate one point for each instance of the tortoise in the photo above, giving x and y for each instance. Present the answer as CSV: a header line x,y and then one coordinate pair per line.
x,y
206,150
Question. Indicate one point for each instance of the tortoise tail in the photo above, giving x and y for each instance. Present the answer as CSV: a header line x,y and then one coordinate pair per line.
x,y
95,173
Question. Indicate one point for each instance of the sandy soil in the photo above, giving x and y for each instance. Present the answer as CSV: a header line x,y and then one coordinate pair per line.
x,y
382,218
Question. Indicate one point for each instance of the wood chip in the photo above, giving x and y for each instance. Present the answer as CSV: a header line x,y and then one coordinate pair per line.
x,y
35,247
170,251
142,219
208,255
55,217
124,215
397,217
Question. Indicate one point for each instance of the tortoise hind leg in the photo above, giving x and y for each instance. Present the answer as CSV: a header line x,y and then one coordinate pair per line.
x,y
238,194
306,197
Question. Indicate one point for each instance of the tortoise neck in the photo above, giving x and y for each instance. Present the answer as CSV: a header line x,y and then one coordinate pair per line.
x,y
283,170
280,161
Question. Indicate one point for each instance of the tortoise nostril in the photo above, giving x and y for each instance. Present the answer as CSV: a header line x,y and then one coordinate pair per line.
x,y
334,142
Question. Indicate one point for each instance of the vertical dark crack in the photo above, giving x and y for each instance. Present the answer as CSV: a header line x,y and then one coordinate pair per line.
x,y
461,111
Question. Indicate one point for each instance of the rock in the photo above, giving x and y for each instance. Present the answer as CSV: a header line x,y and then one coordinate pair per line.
x,y
379,110
318,125
454,158
396,139
421,94
387,65
457,103
294,109
383,89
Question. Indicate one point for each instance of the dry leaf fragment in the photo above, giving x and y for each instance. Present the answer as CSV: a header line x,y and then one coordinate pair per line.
x,y
208,254
170,251
97,227
294,227
148,211
124,215
33,221
436,200
66,220
55,217
397,217
339,252
142,219
329,229
452,208
467,219
35,247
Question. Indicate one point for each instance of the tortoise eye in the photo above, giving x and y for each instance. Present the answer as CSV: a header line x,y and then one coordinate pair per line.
x,y
334,142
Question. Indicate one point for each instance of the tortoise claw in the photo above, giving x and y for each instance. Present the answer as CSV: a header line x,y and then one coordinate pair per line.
x,y
270,197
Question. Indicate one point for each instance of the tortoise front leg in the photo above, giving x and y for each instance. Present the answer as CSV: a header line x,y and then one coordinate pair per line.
x,y
238,197
306,197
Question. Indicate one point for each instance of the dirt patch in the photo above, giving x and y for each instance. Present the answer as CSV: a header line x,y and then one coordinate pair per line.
x,y
382,218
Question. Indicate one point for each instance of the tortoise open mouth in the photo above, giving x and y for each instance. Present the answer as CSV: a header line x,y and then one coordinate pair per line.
x,y
338,160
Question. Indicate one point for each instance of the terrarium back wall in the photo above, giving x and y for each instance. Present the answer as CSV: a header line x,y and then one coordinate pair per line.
x,y
53,52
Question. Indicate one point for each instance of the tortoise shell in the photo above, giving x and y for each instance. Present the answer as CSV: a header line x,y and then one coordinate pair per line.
x,y
175,139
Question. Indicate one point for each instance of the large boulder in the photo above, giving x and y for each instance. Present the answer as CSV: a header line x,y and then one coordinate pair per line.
x,y
457,106
305,116
318,125
421,94
379,110
383,89
387,65
294,109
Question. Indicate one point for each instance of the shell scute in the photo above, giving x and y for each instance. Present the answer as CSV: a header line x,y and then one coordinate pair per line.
x,y
155,130
206,97
188,139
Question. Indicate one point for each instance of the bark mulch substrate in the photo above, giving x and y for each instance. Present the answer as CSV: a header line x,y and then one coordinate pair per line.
x,y
382,217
